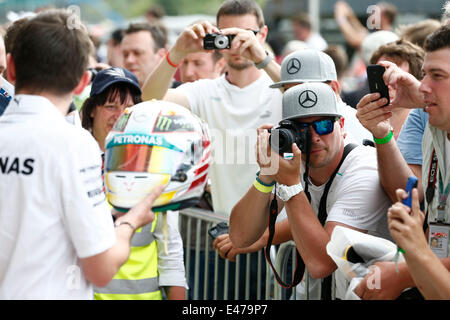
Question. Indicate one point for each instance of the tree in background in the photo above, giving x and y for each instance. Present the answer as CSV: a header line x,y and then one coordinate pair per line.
x,y
135,8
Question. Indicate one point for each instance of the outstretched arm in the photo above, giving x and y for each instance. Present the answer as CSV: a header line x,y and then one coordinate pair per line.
x,y
393,170
158,82
354,32
101,268
249,217
227,250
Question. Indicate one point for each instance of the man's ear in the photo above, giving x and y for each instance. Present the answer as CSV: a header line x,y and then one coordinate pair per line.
x,y
84,81
263,32
161,52
10,68
341,122
335,86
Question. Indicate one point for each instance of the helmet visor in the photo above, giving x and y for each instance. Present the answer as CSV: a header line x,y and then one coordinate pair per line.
x,y
142,158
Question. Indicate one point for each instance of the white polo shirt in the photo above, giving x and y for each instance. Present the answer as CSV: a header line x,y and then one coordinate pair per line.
x,y
233,115
52,208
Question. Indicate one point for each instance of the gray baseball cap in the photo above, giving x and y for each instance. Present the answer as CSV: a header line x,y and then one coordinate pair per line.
x,y
306,65
309,100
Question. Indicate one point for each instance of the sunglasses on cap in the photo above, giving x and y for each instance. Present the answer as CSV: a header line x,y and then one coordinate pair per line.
x,y
322,127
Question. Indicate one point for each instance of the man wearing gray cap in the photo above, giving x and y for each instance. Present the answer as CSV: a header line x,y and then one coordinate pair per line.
x,y
309,65
354,198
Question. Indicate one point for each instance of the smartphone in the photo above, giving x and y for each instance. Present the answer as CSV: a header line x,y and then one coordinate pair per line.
x,y
410,184
217,230
376,83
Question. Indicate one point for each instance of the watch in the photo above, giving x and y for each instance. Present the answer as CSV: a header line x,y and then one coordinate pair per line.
x,y
285,192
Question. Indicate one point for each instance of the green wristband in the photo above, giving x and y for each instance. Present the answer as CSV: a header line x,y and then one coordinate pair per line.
x,y
385,139
264,184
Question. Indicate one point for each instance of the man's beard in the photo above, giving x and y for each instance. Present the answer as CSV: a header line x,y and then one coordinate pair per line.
x,y
240,65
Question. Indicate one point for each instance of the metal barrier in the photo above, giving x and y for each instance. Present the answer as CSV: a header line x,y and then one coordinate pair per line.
x,y
285,263
285,255
199,267
202,261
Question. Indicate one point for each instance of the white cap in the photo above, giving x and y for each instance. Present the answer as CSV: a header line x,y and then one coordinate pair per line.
x,y
306,65
373,41
292,46
308,100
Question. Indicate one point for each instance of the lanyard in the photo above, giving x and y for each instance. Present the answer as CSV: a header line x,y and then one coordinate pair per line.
x,y
443,195
432,173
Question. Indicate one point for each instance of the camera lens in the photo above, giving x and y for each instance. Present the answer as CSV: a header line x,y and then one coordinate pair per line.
x,y
281,140
221,42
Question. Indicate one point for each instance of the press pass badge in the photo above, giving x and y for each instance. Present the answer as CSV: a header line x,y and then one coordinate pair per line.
x,y
438,239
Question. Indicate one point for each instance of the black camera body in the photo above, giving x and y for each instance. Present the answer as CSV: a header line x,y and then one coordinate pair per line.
x,y
287,133
217,41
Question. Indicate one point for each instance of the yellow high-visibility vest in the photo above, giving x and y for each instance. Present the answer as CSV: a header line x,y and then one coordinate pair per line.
x,y
137,279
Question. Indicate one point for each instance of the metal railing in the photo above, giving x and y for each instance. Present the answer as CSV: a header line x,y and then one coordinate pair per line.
x,y
230,280
212,278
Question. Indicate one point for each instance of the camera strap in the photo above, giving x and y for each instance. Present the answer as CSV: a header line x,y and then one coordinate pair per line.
x,y
300,264
323,214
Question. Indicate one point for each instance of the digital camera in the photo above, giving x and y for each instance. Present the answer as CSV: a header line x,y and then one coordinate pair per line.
x,y
287,133
217,41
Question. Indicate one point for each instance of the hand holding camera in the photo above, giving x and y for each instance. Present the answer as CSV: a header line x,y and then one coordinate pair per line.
x,y
217,41
289,132
272,150
246,43
191,40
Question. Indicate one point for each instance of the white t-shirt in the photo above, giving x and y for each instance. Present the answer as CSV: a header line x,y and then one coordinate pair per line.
x,y
356,199
170,264
356,133
53,210
316,41
233,115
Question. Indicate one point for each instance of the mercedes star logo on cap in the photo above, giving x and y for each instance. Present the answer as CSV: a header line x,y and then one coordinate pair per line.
x,y
307,99
293,66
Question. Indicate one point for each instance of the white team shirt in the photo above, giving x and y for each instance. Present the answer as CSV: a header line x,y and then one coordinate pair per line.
x,y
233,115
356,133
52,208
356,199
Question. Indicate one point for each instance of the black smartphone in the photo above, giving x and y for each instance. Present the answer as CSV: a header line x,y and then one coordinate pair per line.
x,y
376,83
217,230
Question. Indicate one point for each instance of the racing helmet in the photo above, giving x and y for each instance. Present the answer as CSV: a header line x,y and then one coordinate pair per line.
x,y
152,143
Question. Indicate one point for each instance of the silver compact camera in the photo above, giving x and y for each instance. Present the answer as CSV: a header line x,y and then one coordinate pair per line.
x,y
217,41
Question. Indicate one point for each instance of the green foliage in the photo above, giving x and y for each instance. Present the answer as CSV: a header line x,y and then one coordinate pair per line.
x,y
130,8
135,8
